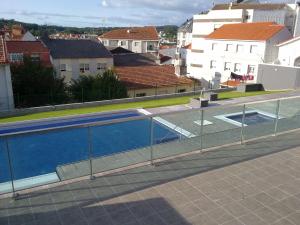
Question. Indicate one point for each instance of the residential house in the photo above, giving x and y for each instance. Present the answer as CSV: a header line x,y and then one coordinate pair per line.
x,y
185,33
144,77
137,39
6,92
289,54
244,12
35,50
72,58
17,33
239,48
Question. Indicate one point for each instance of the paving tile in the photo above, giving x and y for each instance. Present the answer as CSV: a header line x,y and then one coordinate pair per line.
x,y
251,219
283,222
267,215
220,215
292,203
281,209
251,203
152,220
189,210
202,219
265,199
122,217
233,222
205,204
141,209
295,218
277,194
236,209
172,217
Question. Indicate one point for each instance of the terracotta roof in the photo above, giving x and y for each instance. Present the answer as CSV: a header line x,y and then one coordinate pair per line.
x,y
3,52
231,83
136,33
247,31
26,47
250,6
150,77
189,46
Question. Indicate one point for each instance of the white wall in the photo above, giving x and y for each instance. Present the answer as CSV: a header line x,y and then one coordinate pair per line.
x,y
288,53
6,93
73,66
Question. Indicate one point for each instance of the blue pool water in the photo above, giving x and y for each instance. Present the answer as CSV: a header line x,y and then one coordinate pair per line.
x,y
40,153
252,118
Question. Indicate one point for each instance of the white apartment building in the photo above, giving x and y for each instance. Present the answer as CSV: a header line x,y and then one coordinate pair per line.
x,y
289,53
238,48
220,14
137,40
185,34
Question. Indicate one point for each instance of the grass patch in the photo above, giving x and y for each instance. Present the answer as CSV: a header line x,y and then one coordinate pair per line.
x,y
144,104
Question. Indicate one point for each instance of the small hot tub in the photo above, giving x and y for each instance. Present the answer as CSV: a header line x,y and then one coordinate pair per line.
x,y
252,117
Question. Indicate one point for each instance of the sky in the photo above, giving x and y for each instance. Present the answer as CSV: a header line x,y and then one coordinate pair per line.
x,y
98,13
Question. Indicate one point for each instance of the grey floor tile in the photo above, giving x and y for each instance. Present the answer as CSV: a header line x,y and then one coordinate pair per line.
x,y
251,219
236,209
268,215
295,218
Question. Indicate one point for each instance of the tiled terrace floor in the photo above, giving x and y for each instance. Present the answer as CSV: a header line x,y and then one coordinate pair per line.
x,y
253,184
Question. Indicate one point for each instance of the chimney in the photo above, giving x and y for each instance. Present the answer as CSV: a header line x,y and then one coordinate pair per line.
x,y
128,31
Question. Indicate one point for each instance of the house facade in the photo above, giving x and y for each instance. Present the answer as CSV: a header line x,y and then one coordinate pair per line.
x,y
289,54
220,14
73,58
238,48
6,92
185,33
35,50
138,39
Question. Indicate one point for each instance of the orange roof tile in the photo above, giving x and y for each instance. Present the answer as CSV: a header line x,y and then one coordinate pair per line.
x,y
136,33
3,52
231,83
261,31
26,47
150,76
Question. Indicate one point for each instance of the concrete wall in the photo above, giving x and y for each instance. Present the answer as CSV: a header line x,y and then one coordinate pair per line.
x,y
73,66
288,53
276,77
19,112
6,93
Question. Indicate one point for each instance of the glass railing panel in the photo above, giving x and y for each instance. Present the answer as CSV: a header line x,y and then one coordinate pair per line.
x,y
5,174
289,115
179,133
46,157
121,144
260,119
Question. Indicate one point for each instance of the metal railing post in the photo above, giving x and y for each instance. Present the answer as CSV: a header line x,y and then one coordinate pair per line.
x,y
90,140
277,117
201,129
151,140
15,195
243,124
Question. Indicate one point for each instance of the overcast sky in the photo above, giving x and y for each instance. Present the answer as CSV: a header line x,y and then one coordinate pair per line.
x,y
95,13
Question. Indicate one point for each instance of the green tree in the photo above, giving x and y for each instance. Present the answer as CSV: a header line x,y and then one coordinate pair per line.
x,y
36,85
99,87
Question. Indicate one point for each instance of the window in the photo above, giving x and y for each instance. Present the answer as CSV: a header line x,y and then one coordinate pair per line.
x,y
113,43
229,48
136,44
237,67
251,69
140,95
105,42
84,67
181,90
16,57
227,66
123,43
35,57
213,64
214,46
63,67
101,66
253,49
239,48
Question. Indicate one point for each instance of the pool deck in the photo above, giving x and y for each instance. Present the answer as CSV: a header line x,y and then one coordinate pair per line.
x,y
252,184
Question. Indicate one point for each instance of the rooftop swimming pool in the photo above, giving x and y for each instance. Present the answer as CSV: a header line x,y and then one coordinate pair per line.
x,y
38,153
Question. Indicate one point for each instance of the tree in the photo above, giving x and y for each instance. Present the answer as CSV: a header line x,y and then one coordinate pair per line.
x,y
36,85
99,87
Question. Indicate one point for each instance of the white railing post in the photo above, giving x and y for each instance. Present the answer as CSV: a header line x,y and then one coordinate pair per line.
x,y
277,117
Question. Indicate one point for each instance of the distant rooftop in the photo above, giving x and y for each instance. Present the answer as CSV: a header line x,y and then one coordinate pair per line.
x,y
187,26
3,58
76,49
26,47
136,33
135,59
246,31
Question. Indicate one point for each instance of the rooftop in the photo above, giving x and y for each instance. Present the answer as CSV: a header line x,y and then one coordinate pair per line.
x,y
261,31
26,47
135,59
136,33
3,56
253,184
70,49
263,6
150,76
187,26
